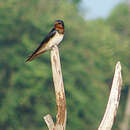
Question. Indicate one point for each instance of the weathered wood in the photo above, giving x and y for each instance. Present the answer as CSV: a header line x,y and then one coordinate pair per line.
x,y
59,91
113,102
49,121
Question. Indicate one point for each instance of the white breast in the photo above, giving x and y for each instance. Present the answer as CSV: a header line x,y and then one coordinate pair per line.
x,y
56,39
53,41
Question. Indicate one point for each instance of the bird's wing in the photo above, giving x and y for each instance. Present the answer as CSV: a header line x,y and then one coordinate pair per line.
x,y
38,51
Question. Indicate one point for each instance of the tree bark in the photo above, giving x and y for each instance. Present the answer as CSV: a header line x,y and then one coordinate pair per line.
x,y
60,94
113,102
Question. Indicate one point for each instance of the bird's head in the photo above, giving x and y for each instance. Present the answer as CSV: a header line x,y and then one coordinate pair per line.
x,y
59,26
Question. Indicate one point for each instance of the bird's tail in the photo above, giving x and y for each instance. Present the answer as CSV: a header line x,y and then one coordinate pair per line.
x,y
33,56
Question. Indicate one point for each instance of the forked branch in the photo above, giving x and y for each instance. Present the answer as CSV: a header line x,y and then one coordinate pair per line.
x,y
60,94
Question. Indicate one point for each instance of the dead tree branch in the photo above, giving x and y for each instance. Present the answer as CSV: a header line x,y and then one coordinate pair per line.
x,y
60,94
113,102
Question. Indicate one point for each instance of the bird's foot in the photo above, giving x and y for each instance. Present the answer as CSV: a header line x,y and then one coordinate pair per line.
x,y
54,46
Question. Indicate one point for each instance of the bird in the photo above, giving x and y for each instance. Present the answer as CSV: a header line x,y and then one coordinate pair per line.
x,y
54,37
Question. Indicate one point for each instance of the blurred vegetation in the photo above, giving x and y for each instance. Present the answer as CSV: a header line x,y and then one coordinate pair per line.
x,y
88,52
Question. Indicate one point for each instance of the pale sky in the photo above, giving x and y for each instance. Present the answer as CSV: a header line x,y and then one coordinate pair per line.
x,y
99,8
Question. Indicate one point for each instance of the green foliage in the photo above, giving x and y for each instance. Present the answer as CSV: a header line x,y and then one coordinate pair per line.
x,y
119,21
75,1
88,52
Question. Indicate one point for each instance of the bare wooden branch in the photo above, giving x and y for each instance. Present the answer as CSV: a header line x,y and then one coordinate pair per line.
x,y
49,121
60,93
113,102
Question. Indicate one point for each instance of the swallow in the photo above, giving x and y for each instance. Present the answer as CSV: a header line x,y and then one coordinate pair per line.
x,y
54,37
